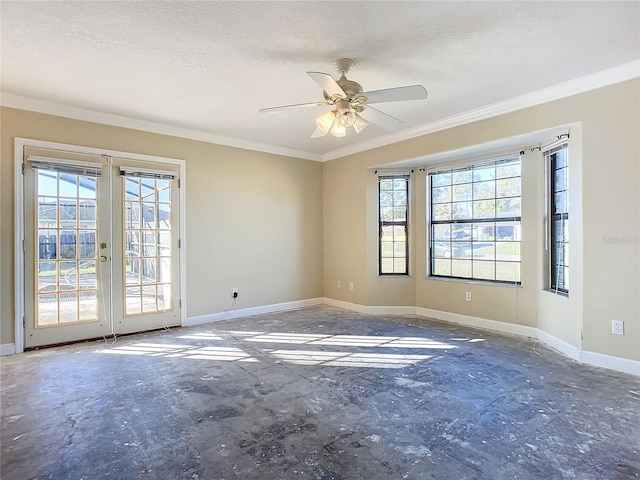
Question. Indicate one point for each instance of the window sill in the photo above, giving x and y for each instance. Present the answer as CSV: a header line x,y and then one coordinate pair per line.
x,y
475,282
556,292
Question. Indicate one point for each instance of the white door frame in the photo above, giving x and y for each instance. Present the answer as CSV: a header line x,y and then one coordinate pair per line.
x,y
19,145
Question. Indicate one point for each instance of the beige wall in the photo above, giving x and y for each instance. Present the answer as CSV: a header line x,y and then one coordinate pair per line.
x,y
284,229
253,220
605,224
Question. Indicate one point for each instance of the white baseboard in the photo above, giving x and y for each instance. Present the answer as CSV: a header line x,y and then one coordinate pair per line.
x,y
7,349
590,358
613,363
250,311
478,322
559,345
370,309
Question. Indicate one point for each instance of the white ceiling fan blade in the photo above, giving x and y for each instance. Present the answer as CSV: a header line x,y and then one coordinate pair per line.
x,y
297,105
398,94
328,84
373,115
317,133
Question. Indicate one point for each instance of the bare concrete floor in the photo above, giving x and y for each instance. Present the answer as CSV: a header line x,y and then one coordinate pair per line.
x,y
317,393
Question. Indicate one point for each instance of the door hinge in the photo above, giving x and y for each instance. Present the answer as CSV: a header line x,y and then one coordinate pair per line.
x,y
178,183
23,247
24,322
179,243
22,168
180,303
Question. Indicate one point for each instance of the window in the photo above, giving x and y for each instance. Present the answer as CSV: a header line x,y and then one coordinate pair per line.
x,y
393,194
475,222
557,160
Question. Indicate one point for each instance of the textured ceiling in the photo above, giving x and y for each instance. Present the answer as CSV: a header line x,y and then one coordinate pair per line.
x,y
210,66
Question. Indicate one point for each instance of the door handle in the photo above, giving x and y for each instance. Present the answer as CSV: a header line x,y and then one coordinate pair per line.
x,y
103,258
103,245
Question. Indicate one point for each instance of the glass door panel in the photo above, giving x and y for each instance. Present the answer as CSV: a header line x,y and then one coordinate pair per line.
x,y
64,288
149,248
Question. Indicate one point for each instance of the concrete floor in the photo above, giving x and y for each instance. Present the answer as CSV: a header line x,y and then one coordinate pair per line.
x,y
317,393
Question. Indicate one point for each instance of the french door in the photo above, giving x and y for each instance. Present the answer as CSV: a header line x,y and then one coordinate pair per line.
x,y
100,246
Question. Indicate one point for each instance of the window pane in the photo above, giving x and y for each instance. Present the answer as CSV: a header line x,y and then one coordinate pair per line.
x,y
399,234
484,251
508,207
87,214
441,267
149,298
68,185
47,183
441,232
400,214
148,189
508,271
386,249
68,213
441,194
164,191
484,173
386,214
399,265
442,211
87,244
461,268
133,302
462,211
132,189
67,244
485,232
385,184
386,198
68,307
484,209
511,169
464,176
87,187
149,215
560,179
508,187
462,192
484,190
400,198
441,179
441,249
560,202
461,231
484,270
47,244
461,250
88,306
508,251
560,158
386,265
508,231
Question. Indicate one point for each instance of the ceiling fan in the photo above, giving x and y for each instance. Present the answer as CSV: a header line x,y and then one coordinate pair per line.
x,y
352,105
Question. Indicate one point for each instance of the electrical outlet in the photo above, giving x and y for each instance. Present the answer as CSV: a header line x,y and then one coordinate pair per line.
x,y
350,285
234,292
617,327
467,296
338,284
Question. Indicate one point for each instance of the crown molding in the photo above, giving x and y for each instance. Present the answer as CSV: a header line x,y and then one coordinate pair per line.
x,y
618,74
611,76
31,104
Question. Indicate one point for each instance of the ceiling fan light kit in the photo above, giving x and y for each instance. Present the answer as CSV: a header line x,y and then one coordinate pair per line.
x,y
351,105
